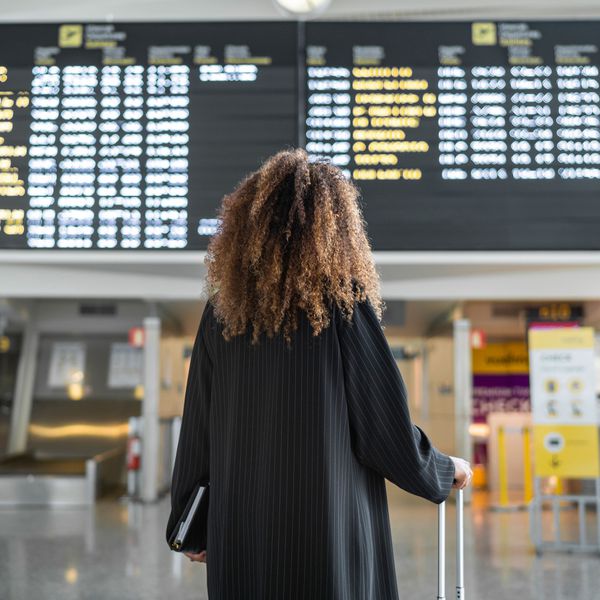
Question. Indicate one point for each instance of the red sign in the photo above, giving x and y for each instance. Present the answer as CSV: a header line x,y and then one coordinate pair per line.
x,y
136,337
478,339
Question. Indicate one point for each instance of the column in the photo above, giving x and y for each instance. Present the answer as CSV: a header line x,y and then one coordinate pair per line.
x,y
452,122
578,122
531,122
43,157
167,147
488,145
150,429
328,118
120,156
462,391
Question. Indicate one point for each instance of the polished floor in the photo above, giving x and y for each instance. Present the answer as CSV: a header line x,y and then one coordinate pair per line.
x,y
117,551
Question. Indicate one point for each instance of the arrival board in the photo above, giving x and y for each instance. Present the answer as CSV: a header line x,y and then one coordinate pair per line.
x,y
459,135
462,136
127,136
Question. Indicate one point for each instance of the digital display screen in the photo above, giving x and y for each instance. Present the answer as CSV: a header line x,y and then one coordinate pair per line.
x,y
462,136
128,136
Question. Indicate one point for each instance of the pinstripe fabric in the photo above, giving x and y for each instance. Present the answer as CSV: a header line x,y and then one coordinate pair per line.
x,y
296,442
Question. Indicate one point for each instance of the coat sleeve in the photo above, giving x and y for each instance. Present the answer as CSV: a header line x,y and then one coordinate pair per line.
x,y
383,436
192,456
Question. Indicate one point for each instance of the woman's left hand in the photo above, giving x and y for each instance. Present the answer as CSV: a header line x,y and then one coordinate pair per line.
x,y
201,557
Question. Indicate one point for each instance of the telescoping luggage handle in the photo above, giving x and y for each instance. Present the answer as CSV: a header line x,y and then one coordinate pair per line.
x,y
460,549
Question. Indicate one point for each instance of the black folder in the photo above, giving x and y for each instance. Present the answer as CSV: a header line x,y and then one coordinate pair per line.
x,y
189,533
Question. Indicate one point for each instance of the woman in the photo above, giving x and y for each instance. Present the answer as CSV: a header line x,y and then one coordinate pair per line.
x,y
295,410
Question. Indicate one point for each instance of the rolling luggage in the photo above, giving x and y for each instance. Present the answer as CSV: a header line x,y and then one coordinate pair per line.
x,y
460,549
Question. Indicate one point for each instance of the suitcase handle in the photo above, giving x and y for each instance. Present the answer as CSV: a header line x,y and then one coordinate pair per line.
x,y
460,549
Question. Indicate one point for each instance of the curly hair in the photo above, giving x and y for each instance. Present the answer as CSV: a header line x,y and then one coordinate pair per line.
x,y
291,238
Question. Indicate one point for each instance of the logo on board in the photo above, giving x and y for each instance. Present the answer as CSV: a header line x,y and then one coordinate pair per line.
x,y
70,36
484,34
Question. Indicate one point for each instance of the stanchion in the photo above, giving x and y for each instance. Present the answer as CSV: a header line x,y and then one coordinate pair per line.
x,y
527,466
559,487
504,503
502,468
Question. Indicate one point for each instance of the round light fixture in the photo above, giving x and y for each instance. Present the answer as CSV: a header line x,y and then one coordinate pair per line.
x,y
302,8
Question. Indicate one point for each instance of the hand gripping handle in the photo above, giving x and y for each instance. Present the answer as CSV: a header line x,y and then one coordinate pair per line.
x,y
460,549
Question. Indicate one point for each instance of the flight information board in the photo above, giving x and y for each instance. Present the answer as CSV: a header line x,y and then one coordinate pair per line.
x,y
126,136
462,135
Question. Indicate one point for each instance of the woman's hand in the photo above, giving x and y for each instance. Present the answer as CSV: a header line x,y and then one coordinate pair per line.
x,y
462,473
201,557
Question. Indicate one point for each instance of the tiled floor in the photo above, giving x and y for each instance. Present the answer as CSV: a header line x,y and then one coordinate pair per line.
x,y
117,552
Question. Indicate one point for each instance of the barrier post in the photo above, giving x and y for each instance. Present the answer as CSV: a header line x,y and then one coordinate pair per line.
x,y
558,488
527,470
503,500
502,467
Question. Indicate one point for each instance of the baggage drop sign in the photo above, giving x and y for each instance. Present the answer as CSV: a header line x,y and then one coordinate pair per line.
x,y
566,451
563,399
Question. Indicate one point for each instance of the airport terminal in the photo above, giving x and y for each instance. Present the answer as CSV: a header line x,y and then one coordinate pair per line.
x,y
471,132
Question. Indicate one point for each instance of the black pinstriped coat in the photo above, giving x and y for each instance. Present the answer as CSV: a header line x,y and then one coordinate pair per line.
x,y
296,442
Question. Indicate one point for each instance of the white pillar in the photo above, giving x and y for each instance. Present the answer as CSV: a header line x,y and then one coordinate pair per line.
x,y
463,392
425,382
150,416
23,395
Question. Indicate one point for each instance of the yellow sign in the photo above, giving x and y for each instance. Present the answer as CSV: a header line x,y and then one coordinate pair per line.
x,y
70,36
561,338
484,34
566,451
501,358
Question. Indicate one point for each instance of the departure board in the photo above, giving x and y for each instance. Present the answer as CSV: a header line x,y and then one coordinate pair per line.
x,y
127,136
480,135
460,135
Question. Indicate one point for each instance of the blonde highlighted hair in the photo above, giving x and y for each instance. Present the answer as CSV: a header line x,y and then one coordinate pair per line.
x,y
291,238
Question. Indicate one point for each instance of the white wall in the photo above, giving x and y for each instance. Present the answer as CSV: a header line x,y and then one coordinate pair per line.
x,y
145,10
408,276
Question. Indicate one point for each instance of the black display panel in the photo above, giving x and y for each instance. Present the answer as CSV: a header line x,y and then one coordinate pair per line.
x,y
126,136
462,136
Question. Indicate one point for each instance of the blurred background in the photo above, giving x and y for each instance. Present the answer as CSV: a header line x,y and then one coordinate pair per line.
x,y
473,132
